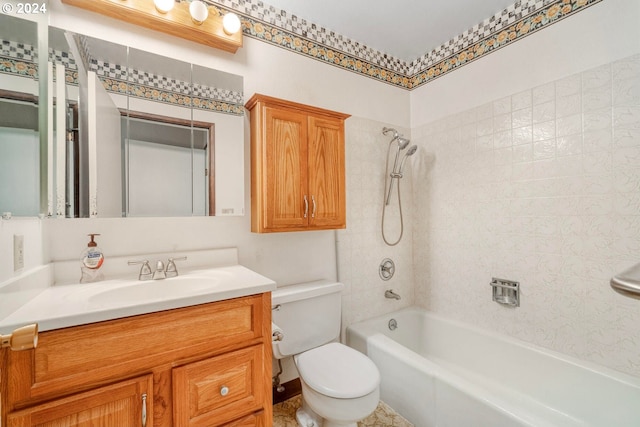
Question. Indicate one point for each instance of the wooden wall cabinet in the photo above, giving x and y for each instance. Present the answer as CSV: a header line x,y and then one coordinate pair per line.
x,y
297,166
205,365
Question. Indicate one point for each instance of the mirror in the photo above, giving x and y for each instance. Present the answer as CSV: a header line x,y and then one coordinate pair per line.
x,y
20,169
129,133
156,136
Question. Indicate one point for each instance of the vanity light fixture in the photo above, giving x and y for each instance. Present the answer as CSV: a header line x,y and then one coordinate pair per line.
x,y
199,12
231,23
188,20
164,6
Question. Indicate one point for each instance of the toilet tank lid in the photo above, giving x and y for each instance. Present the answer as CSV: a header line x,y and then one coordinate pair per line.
x,y
305,290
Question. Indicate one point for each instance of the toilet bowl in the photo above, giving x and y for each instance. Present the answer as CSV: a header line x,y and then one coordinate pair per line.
x,y
340,386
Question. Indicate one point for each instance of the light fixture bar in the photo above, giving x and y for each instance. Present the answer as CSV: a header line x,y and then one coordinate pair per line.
x,y
176,22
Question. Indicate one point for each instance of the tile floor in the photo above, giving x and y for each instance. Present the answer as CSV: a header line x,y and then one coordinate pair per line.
x,y
284,415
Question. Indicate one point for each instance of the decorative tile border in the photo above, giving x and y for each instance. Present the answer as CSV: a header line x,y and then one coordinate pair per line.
x,y
150,93
17,67
158,88
500,36
22,51
276,27
19,59
279,21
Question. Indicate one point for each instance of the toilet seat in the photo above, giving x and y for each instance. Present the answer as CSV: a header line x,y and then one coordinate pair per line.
x,y
338,371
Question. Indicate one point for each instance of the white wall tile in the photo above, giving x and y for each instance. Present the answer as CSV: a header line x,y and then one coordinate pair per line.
x,y
556,208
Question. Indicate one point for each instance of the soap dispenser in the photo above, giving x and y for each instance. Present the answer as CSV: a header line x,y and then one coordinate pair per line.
x,y
92,259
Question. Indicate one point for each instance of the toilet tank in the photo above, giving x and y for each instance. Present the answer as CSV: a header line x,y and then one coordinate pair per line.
x,y
308,314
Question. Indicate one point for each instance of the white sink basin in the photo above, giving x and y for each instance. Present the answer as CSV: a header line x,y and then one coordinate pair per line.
x,y
66,305
156,290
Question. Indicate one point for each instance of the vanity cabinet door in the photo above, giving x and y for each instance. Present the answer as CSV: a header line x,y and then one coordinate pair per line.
x,y
220,389
127,403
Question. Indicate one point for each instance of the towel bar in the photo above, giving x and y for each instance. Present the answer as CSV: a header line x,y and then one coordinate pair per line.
x,y
627,283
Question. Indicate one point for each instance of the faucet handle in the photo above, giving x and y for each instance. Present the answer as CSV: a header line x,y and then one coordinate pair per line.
x,y
145,270
159,273
172,269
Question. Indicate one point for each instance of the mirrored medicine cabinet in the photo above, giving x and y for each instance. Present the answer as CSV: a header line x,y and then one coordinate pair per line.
x,y
107,130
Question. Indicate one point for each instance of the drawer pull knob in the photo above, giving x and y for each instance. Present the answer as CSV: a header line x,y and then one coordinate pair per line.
x,y
224,390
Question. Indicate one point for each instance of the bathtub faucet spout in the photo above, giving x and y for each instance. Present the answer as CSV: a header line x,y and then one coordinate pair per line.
x,y
390,294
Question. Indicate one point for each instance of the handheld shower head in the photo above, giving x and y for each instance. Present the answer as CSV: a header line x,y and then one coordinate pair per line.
x,y
410,152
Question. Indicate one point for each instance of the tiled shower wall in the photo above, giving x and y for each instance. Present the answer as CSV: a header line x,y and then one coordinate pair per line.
x,y
360,247
542,187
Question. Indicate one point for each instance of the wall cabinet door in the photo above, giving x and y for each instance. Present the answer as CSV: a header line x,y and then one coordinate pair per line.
x,y
286,173
326,173
127,403
297,166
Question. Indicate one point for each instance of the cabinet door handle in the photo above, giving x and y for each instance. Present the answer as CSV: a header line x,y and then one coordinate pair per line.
x,y
144,410
313,212
224,390
306,206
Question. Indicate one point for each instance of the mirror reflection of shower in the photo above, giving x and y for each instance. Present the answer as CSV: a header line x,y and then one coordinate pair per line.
x,y
401,143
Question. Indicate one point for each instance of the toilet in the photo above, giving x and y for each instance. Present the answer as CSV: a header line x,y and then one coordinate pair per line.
x,y
340,386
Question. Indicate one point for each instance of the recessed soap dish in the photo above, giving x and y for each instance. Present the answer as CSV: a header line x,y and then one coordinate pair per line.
x,y
506,292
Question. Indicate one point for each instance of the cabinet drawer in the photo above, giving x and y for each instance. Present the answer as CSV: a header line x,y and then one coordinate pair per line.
x,y
253,420
84,356
220,389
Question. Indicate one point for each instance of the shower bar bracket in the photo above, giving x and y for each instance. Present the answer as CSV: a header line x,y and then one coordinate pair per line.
x,y
506,292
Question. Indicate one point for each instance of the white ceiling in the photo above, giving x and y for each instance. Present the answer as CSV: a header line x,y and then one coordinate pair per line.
x,y
404,29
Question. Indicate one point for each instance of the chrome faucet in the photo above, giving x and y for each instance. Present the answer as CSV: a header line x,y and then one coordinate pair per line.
x,y
390,294
161,272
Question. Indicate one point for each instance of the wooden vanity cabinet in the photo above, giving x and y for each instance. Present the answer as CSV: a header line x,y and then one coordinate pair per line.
x,y
127,403
297,166
204,365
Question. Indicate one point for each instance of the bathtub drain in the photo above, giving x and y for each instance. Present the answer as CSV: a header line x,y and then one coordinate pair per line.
x,y
393,324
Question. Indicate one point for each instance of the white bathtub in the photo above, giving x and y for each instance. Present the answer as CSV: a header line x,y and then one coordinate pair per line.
x,y
438,372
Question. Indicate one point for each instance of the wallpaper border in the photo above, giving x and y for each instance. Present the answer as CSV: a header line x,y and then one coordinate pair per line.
x,y
276,27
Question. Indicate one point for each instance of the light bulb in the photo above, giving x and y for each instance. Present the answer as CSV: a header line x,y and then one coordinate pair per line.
x,y
198,11
164,6
231,23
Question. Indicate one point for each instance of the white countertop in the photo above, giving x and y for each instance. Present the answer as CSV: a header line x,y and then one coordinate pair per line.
x,y
63,306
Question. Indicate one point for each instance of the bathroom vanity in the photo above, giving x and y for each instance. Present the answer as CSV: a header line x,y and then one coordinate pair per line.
x,y
203,365
188,364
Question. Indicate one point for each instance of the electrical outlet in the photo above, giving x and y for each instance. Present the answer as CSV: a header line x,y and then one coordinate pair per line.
x,y
18,252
